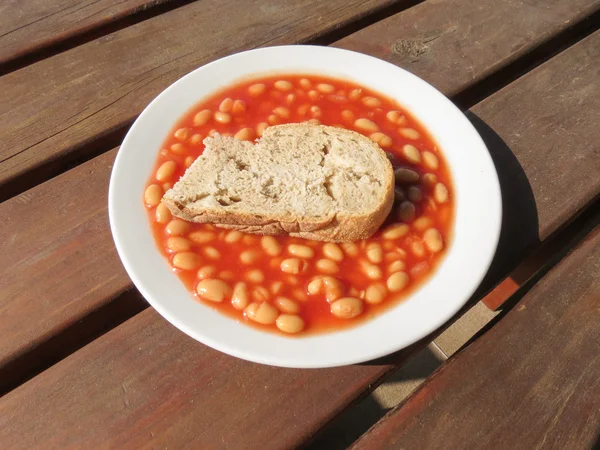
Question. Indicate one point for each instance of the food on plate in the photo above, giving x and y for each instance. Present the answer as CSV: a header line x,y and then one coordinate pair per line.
x,y
308,181
291,284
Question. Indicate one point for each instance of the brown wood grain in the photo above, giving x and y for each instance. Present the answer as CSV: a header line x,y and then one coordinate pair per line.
x,y
51,111
28,26
144,383
60,104
532,381
466,40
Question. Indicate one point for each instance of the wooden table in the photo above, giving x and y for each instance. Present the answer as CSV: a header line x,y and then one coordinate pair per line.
x,y
85,362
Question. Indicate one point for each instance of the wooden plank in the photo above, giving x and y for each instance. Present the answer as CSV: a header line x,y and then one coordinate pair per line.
x,y
27,27
535,373
457,43
173,385
99,87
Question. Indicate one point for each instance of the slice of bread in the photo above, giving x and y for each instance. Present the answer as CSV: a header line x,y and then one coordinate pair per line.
x,y
309,181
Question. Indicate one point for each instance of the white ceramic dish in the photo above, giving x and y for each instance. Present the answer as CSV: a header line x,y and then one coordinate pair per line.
x,y
476,193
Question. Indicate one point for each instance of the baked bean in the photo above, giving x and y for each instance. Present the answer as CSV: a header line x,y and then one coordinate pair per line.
x,y
261,127
382,139
290,323
300,295
290,98
396,266
315,111
152,195
440,193
255,275
418,249
167,186
212,253
202,117
240,298
415,194
394,116
303,110
374,253
287,305
327,266
422,223
202,237
347,307
178,244
213,290
245,134
375,293
333,251
188,161
430,160
283,85
162,213
177,227
186,260
350,248
206,272
313,95
433,240
366,125
276,287
419,270
302,251
212,132
347,115
226,105
270,245
406,176
333,287
398,194
273,119
293,266
406,212
196,138
222,117
325,88
397,281
261,294
395,231
233,236
256,89
178,149
314,121
305,83
411,153
429,180
239,107
315,286
372,271
355,94
371,102
182,134
409,133
227,275
263,313
249,256
166,170
282,111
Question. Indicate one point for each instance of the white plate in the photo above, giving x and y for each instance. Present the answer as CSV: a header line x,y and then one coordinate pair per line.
x,y
476,230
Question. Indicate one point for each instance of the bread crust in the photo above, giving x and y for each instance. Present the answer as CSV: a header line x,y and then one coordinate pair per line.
x,y
336,227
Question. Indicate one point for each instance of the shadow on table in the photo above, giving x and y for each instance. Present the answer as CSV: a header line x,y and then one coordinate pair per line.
x,y
519,234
